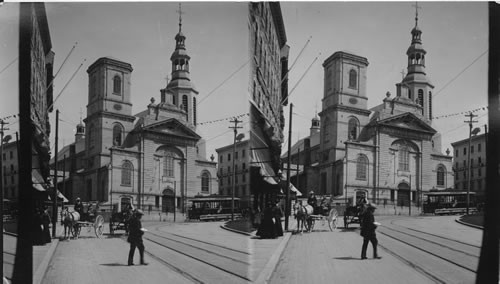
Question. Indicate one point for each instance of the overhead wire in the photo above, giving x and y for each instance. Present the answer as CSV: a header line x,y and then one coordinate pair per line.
x,y
223,82
12,62
460,73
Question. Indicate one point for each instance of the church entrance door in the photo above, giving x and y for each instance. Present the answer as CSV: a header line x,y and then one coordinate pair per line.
x,y
168,200
403,194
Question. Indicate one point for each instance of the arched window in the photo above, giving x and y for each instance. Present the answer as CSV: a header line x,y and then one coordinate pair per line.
x,y
361,167
185,103
127,173
117,134
117,85
205,182
409,95
441,170
404,158
168,164
352,130
353,79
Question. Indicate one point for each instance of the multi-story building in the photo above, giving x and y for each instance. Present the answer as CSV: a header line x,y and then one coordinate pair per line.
x,y
36,60
10,170
268,94
477,164
240,173
304,158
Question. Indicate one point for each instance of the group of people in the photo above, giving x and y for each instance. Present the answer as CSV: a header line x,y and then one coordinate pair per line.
x,y
41,226
269,221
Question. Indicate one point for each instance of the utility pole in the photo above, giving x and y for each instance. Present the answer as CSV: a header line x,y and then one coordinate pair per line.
x,y
2,129
54,194
235,129
287,190
469,181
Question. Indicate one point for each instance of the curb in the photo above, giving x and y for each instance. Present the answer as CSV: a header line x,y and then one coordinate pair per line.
x,y
268,270
468,224
42,268
235,231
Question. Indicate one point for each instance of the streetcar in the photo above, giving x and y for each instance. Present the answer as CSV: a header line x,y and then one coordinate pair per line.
x,y
213,208
449,202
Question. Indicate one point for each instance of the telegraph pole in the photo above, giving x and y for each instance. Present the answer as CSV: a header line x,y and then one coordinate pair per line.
x,y
469,181
235,128
2,129
54,194
287,190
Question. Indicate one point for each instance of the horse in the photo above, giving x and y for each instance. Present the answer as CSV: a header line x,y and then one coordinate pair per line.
x,y
302,214
69,222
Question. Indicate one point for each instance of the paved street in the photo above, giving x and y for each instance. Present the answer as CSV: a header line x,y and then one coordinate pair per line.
x,y
203,252
323,256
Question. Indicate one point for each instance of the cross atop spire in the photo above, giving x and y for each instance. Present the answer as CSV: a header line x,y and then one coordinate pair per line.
x,y
180,16
416,12
81,115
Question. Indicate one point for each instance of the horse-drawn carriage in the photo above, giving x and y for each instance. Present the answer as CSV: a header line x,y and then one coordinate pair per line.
x,y
74,221
120,220
352,215
307,216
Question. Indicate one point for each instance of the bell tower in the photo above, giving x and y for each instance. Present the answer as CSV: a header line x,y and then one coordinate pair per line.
x,y
415,85
180,89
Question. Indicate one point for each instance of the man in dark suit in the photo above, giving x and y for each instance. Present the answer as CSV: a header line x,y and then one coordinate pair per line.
x,y
368,227
135,237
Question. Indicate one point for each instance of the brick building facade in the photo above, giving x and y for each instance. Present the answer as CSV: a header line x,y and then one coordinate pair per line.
x,y
241,171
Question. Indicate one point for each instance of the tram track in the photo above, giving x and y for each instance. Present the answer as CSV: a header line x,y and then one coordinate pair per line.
x,y
225,262
454,255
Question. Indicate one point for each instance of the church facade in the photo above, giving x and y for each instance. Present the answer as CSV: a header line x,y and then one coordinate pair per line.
x,y
154,159
389,153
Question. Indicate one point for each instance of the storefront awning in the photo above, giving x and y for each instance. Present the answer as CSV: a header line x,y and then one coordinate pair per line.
x,y
294,189
266,171
61,196
37,180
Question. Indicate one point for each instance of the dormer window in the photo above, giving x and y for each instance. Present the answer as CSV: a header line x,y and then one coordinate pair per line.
x,y
117,85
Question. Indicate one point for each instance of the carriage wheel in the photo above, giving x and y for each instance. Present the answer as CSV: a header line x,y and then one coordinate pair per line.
x,y
99,226
332,223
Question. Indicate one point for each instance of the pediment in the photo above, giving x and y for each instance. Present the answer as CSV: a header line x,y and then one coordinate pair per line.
x,y
407,121
173,127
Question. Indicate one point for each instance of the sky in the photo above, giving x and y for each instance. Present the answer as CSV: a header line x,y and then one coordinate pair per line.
x,y
141,34
454,34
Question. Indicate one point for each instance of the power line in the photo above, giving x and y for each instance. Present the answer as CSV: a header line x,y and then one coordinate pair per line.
x,y
223,82
454,78
9,65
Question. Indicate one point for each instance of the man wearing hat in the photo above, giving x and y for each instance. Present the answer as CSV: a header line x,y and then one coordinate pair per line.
x,y
135,237
79,207
368,227
311,200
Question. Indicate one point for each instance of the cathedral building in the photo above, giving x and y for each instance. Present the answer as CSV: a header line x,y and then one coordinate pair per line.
x,y
389,153
154,159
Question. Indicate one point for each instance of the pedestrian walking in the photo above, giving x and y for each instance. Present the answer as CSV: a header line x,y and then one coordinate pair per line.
x,y
368,226
46,223
135,237
278,213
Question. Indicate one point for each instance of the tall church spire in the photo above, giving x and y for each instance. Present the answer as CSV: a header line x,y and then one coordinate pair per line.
x,y
415,84
180,87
